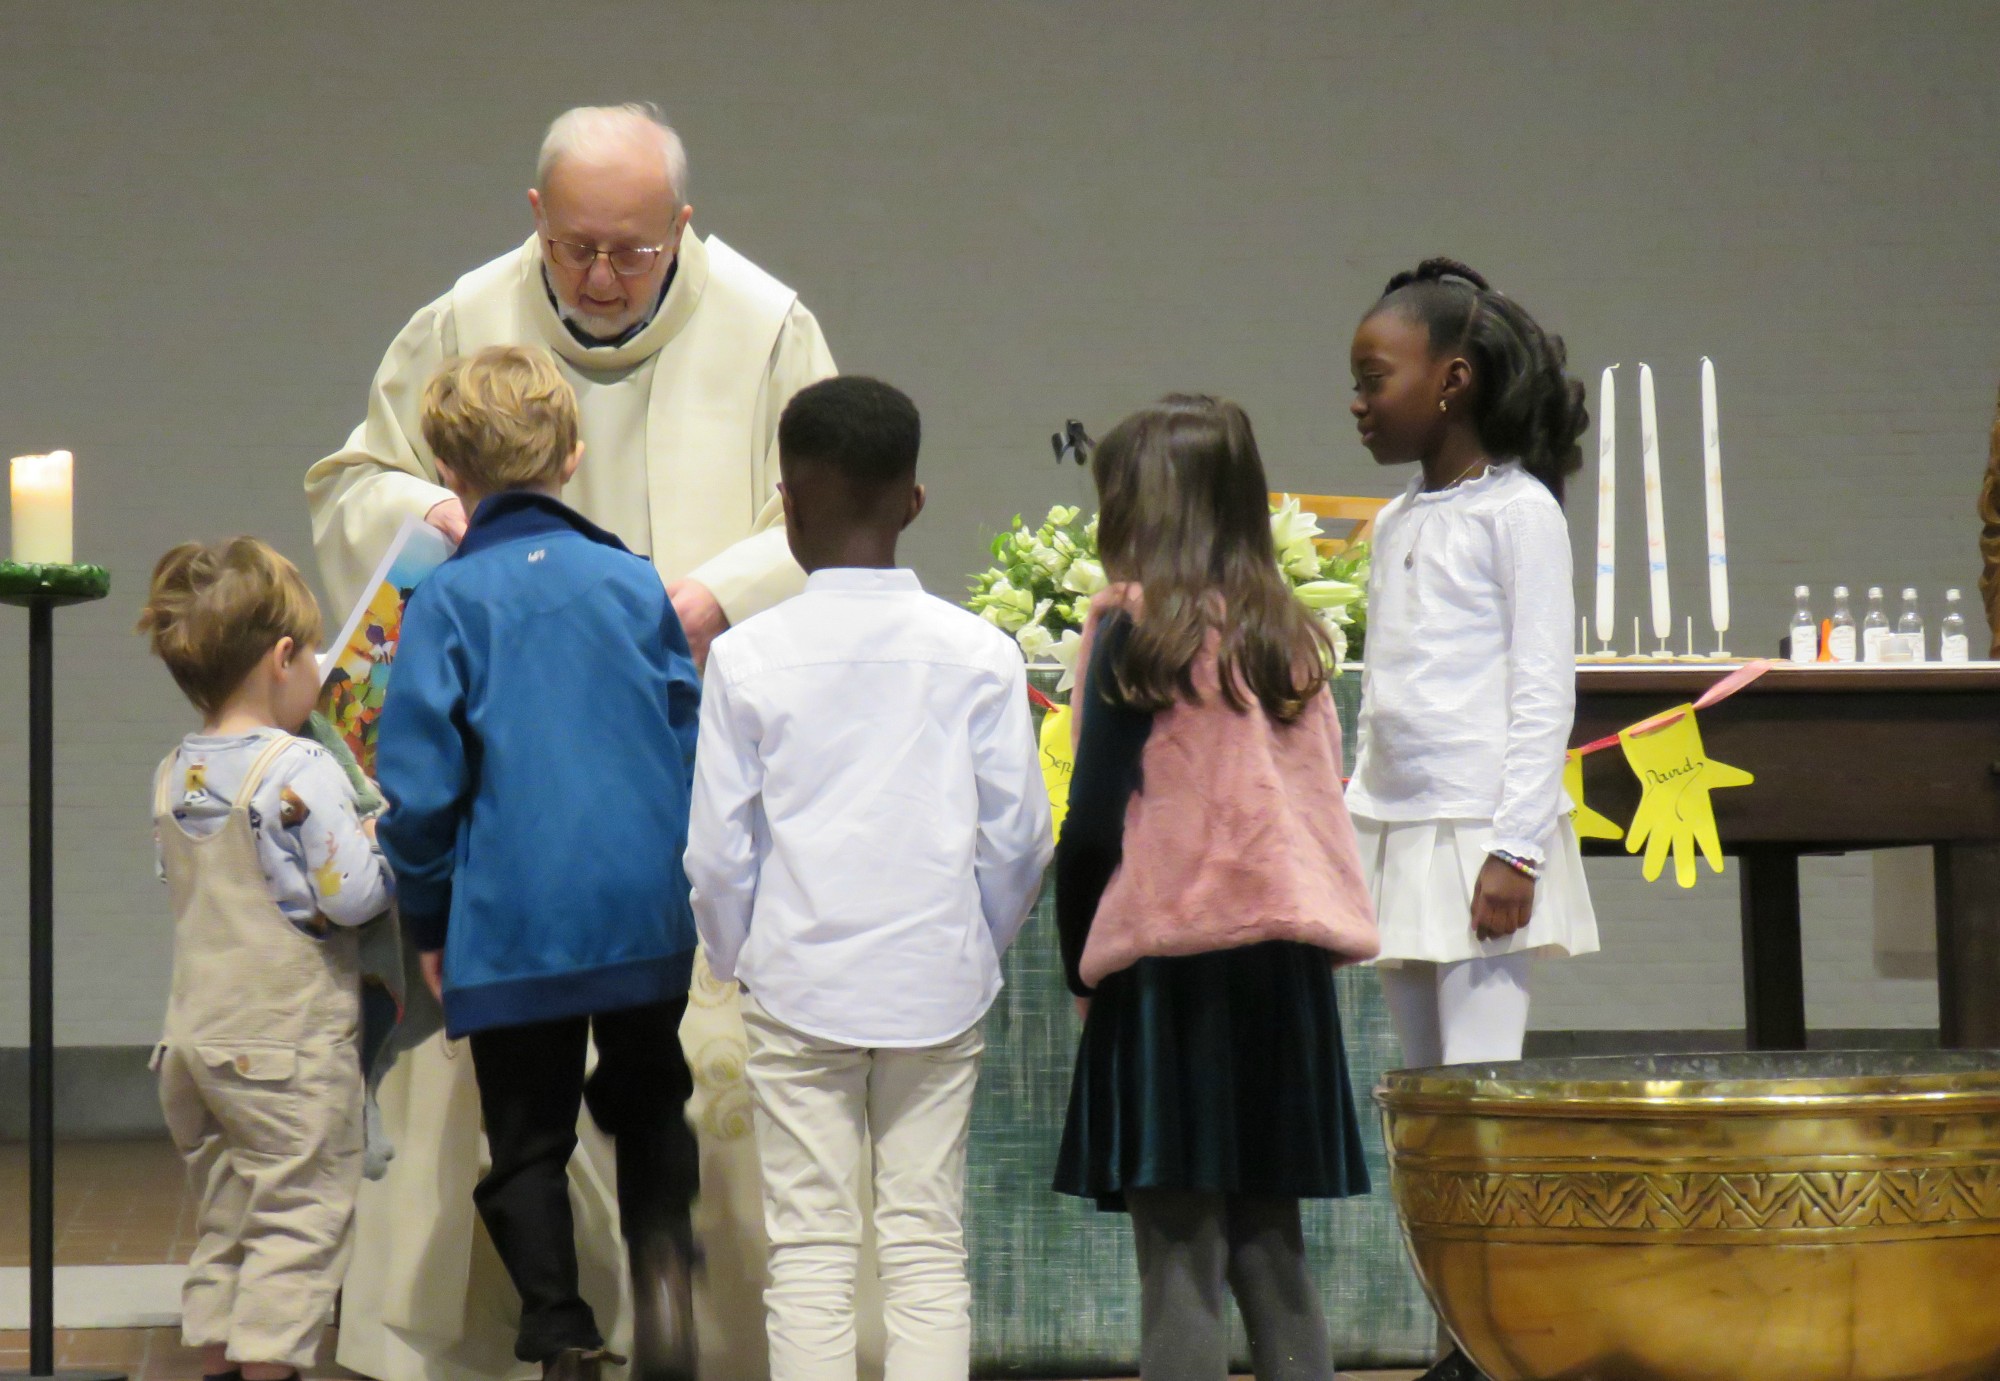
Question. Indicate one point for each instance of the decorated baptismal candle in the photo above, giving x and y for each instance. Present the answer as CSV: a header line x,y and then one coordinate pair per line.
x,y
1656,518
1718,551
1607,506
41,509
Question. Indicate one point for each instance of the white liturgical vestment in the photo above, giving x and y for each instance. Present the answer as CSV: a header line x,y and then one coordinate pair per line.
x,y
679,426
684,414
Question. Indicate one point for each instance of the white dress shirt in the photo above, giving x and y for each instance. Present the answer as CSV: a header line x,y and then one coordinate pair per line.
x,y
1470,684
870,823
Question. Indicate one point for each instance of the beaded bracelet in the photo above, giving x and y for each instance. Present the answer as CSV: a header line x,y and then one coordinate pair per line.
x,y
1526,867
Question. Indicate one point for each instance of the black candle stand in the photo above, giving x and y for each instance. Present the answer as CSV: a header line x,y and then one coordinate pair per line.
x,y
41,589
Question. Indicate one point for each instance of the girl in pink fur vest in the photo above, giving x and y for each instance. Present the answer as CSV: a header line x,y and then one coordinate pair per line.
x,y
1207,884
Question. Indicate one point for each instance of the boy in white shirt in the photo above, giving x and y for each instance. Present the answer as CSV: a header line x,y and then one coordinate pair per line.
x,y
868,834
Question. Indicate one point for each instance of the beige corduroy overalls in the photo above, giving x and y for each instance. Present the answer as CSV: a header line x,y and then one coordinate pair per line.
x,y
261,1087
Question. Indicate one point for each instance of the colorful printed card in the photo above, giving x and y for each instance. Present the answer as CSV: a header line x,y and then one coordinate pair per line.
x,y
354,676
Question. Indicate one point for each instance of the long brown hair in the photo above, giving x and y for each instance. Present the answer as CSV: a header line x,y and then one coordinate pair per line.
x,y
1184,512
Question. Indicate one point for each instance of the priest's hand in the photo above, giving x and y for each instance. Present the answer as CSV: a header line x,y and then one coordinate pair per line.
x,y
701,616
448,517
431,961
1502,901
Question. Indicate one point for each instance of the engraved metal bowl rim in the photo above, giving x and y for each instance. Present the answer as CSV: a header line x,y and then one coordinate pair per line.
x,y
1955,1082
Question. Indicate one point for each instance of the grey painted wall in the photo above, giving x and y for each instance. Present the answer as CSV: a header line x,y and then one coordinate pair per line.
x,y
213,217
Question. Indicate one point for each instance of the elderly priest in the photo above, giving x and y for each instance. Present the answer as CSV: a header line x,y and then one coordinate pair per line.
x,y
683,354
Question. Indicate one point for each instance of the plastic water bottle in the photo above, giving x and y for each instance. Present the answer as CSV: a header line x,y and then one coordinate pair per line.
x,y
1874,627
1910,625
1805,628
1953,644
1841,642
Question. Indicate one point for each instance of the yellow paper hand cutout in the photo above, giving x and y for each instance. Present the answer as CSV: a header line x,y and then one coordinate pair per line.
x,y
1058,762
1587,822
1676,775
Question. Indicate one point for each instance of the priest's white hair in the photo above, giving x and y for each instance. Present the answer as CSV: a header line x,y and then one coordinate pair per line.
x,y
589,129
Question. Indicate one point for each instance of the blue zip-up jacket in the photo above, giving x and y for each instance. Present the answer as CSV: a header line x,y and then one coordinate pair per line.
x,y
537,751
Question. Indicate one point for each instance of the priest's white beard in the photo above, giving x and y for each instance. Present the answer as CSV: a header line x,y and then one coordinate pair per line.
x,y
600,327
594,325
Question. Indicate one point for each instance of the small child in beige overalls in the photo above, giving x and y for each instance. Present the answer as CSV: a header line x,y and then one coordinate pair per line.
x,y
269,869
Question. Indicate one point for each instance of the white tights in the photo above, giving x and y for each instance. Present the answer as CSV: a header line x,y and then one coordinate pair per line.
x,y
1473,1011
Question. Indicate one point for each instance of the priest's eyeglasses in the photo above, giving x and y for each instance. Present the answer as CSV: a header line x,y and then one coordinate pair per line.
x,y
633,262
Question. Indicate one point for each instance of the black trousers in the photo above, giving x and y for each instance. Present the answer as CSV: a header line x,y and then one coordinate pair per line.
x,y
531,1085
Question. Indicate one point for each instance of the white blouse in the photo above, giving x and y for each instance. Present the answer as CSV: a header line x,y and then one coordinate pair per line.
x,y
1470,684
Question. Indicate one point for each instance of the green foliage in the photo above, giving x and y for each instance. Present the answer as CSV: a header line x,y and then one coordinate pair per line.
x,y
1041,580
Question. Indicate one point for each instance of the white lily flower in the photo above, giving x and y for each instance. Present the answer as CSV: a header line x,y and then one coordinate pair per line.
x,y
1035,639
1084,577
1293,532
1064,651
1327,595
1291,525
1004,606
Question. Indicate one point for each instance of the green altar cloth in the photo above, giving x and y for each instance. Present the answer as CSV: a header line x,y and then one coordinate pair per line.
x,y
1055,1291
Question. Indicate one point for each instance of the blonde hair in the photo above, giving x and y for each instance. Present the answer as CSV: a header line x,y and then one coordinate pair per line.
x,y
215,609
595,129
503,419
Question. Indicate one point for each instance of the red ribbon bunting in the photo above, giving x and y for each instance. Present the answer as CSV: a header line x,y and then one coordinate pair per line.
x,y
1714,695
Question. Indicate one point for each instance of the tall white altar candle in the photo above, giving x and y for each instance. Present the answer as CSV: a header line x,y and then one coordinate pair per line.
x,y
1718,547
1656,517
41,507
1607,505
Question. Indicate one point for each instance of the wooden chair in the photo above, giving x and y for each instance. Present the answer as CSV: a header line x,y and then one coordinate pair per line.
x,y
1345,508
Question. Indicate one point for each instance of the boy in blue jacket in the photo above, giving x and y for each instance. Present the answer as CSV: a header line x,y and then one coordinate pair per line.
x,y
536,749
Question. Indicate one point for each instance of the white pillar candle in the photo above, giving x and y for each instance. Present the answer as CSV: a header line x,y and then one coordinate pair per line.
x,y
1718,547
1656,517
41,494
1607,506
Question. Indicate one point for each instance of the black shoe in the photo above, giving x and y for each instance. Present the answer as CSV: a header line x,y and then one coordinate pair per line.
x,y
1456,1366
580,1364
663,1341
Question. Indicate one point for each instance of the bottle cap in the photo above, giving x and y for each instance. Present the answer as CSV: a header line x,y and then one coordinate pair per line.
x,y
1910,592
1840,592
1874,592
1951,595
1801,592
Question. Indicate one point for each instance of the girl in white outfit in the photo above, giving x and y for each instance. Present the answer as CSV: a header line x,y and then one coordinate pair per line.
x,y
1470,686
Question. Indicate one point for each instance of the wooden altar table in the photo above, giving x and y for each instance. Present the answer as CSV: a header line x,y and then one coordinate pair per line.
x,y
1846,758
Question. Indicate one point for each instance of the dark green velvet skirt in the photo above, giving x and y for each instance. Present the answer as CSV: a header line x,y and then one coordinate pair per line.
x,y
1221,1072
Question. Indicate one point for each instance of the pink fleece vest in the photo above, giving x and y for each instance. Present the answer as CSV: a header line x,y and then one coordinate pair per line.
x,y
1238,835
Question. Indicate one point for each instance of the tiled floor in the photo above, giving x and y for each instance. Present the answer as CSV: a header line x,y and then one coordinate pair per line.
x,y
142,1354
119,1203
155,1354
127,1203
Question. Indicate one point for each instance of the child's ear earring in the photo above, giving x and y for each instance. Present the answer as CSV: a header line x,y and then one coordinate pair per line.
x,y
1443,406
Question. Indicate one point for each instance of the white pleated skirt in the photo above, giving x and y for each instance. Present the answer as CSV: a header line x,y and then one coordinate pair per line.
x,y
1421,873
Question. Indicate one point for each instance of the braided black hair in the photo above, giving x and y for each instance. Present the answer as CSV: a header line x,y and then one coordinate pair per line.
x,y
1524,402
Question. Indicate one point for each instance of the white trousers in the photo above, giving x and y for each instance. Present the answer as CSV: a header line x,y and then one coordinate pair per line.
x,y
819,1106
1470,1011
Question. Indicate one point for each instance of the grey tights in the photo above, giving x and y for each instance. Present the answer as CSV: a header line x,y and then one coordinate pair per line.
x,y
1197,1249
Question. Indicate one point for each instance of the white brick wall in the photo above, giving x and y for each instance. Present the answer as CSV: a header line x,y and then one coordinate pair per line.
x,y
1020,211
